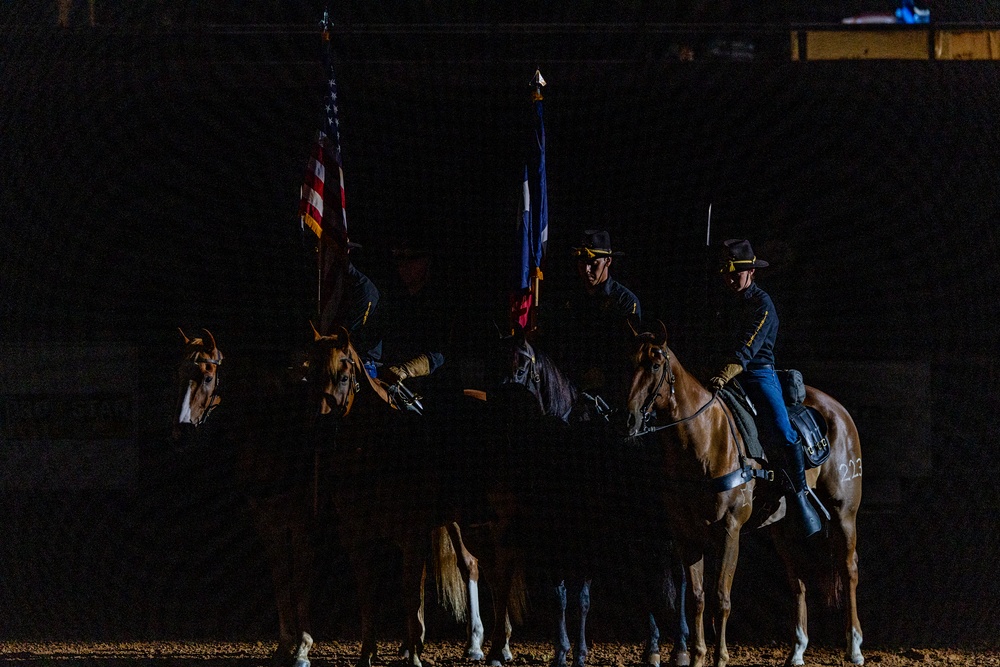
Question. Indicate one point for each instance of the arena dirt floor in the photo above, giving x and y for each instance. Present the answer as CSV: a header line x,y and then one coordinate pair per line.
x,y
440,654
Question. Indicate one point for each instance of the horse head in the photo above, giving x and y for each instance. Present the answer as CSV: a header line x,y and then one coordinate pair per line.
x,y
653,381
333,369
522,363
198,381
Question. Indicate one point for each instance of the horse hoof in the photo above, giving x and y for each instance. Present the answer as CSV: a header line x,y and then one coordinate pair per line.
x,y
652,659
507,655
681,659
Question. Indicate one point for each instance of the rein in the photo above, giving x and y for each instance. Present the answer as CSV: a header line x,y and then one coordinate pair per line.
x,y
647,406
730,480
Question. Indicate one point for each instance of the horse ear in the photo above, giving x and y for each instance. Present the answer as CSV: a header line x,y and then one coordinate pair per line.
x,y
343,337
211,338
184,336
316,333
661,331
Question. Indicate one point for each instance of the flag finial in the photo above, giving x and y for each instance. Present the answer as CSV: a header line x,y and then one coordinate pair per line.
x,y
325,22
538,81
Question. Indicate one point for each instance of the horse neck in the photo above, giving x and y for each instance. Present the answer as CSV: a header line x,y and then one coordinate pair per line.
x,y
700,436
557,392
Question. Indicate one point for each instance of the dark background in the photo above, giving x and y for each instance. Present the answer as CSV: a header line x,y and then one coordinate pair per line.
x,y
149,176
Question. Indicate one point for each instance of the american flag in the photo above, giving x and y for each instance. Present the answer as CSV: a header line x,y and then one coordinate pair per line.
x,y
533,223
322,207
322,203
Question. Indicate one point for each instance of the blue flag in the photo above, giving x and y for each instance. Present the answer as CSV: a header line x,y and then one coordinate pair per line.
x,y
533,225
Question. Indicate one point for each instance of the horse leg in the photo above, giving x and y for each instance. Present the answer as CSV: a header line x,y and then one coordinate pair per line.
x,y
724,582
414,575
281,542
651,653
666,590
561,644
468,566
499,652
362,565
696,610
508,631
580,652
301,655
845,551
800,616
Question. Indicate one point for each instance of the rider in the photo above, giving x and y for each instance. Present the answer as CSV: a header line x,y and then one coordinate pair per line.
x,y
415,324
354,311
752,327
591,328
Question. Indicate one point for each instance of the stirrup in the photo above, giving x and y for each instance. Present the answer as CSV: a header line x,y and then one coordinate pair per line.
x,y
805,514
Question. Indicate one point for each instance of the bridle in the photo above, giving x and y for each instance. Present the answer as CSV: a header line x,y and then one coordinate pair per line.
x,y
352,378
666,375
213,398
529,371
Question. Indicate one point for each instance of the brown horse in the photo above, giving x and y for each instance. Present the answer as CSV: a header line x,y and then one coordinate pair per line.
x,y
700,446
267,470
264,423
384,492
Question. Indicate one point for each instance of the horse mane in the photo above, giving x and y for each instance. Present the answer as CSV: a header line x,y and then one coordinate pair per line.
x,y
557,392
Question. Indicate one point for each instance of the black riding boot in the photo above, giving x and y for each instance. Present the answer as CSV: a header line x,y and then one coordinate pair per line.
x,y
800,509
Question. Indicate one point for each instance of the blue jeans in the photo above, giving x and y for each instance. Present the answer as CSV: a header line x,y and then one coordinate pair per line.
x,y
764,390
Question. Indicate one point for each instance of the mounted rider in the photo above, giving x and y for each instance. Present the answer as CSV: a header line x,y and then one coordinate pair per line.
x,y
354,310
590,335
752,329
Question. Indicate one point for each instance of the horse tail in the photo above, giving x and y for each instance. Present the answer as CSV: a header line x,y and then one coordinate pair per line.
x,y
830,581
517,600
450,583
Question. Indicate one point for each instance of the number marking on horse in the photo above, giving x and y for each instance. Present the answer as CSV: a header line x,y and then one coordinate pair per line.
x,y
850,470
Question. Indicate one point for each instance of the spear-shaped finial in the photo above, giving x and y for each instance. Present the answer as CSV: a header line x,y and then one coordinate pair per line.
x,y
538,81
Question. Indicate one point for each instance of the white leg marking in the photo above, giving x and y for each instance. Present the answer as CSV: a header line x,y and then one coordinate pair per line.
x,y
854,648
302,652
475,647
797,656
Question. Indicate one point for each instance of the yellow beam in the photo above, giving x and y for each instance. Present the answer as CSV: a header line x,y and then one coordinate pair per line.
x,y
967,44
865,45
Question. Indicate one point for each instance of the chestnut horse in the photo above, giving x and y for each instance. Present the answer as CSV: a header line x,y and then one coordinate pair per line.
x,y
700,445
619,505
265,423
388,490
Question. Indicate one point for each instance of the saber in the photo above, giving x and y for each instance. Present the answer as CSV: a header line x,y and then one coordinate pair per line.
x,y
708,232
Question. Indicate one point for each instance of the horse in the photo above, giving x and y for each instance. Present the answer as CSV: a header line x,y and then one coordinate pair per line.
x,y
702,452
384,492
275,467
562,408
267,455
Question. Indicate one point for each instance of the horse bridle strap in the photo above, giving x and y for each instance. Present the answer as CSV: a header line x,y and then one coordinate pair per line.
x,y
214,399
656,390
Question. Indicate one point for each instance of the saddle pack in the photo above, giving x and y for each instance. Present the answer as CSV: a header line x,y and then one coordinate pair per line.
x,y
807,421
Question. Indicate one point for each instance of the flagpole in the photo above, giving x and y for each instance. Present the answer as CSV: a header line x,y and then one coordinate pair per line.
x,y
536,271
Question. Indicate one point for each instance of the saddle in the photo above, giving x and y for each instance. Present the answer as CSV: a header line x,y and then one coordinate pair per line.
x,y
808,422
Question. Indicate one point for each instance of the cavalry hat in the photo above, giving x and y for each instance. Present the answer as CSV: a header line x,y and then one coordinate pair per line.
x,y
408,247
595,243
737,255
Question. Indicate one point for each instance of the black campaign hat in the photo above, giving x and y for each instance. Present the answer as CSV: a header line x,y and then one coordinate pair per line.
x,y
595,243
737,255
